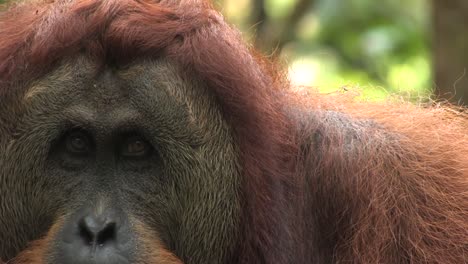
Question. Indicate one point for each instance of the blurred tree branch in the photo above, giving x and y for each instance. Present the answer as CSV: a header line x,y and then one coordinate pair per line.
x,y
270,36
450,42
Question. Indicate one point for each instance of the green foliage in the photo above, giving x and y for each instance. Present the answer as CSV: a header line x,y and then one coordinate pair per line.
x,y
363,43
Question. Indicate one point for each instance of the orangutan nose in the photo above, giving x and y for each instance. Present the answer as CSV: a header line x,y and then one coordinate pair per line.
x,y
100,238
97,231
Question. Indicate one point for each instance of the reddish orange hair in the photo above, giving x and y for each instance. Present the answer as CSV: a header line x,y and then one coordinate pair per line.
x,y
397,196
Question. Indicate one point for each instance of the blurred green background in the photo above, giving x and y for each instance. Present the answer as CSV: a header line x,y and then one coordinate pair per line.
x,y
380,46
383,47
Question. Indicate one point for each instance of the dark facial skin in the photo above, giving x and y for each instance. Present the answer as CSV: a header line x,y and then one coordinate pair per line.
x,y
105,149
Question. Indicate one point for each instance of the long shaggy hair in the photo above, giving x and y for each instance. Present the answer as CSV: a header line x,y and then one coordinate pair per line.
x,y
398,192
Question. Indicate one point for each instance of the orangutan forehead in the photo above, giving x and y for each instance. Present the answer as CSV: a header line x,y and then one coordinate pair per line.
x,y
91,90
83,75
68,72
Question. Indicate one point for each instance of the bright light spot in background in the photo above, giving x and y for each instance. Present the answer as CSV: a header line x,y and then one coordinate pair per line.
x,y
319,72
304,71
411,76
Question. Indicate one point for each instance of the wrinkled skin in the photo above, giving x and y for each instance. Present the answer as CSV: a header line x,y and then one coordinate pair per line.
x,y
42,180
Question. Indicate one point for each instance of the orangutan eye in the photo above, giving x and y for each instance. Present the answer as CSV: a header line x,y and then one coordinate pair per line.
x,y
135,147
78,143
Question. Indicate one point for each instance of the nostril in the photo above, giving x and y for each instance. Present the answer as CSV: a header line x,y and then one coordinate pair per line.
x,y
96,232
85,233
107,234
